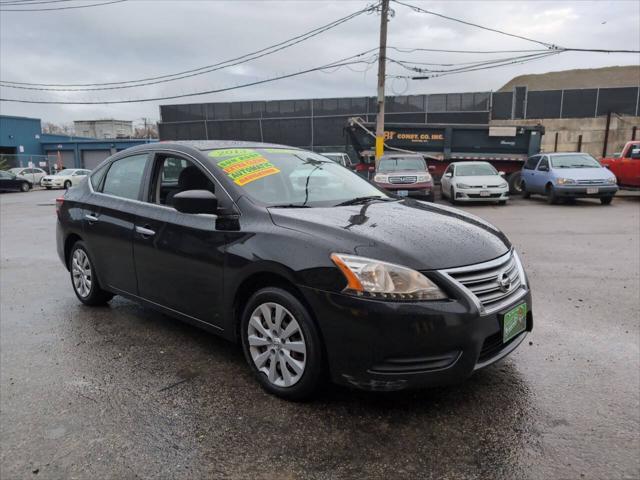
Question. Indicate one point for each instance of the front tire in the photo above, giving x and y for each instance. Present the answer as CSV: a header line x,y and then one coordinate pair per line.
x,y
48,188
67,185
25,187
83,279
552,198
281,344
606,200
452,197
523,189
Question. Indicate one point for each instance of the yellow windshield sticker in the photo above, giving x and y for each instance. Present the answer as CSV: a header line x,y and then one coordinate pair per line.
x,y
247,167
228,152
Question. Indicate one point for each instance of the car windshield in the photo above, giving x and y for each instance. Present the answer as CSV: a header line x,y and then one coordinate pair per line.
x,y
336,157
15,170
401,163
475,169
574,161
293,178
66,171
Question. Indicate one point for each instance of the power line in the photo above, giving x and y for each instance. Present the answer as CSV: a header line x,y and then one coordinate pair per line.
x,y
487,67
466,65
338,63
428,12
439,50
195,71
59,8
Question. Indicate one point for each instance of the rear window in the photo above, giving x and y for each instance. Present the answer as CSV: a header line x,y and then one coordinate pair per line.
x,y
401,163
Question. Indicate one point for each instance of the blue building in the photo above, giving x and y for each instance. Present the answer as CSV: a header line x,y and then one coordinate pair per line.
x,y
22,144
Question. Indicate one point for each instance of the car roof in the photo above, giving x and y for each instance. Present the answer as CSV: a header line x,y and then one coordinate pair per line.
x,y
217,144
401,155
470,163
554,154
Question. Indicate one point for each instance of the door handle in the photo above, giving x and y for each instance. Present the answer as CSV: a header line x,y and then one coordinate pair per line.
x,y
91,217
145,232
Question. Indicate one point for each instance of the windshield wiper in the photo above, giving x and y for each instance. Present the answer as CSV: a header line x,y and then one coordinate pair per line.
x,y
361,200
290,205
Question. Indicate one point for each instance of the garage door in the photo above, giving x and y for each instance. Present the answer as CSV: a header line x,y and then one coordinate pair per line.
x,y
67,157
92,158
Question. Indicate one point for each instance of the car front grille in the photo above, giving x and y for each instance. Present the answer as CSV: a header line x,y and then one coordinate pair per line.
x,y
484,186
591,182
477,195
494,284
403,180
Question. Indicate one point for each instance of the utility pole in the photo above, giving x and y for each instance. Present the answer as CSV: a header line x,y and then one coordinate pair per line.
x,y
382,63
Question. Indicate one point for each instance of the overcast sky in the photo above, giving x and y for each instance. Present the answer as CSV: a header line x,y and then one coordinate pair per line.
x,y
143,38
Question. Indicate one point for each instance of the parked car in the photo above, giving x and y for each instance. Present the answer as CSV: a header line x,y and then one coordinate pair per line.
x,y
376,291
67,178
404,174
567,175
10,182
33,175
338,157
474,182
626,166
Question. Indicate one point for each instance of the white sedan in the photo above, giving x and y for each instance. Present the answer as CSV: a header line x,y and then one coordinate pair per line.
x,y
32,175
474,182
66,178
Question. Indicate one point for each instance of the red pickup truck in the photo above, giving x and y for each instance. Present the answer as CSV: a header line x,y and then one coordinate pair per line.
x,y
626,167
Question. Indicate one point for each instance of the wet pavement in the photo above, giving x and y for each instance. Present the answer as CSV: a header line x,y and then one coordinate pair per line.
x,y
124,392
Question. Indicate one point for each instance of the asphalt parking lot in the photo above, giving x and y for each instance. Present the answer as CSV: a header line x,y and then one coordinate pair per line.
x,y
125,392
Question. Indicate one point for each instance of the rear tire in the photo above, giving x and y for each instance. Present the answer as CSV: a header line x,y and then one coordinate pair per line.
x,y
83,279
606,200
273,319
552,198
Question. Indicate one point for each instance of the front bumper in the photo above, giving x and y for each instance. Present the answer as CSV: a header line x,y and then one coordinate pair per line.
x,y
480,194
378,345
51,183
424,189
580,191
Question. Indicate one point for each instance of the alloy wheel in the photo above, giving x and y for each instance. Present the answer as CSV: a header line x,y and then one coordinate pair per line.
x,y
81,271
276,344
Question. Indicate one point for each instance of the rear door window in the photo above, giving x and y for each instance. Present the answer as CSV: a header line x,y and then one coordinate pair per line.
x,y
124,178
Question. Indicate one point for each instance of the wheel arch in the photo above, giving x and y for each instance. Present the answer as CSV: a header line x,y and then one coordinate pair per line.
x,y
69,242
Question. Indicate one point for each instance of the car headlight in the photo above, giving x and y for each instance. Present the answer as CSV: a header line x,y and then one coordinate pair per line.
x,y
377,279
504,185
423,178
381,178
612,180
462,185
565,181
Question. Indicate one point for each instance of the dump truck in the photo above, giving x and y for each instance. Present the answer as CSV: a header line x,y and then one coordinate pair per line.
x,y
505,147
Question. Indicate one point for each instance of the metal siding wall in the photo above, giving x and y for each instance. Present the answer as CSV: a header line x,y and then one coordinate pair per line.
x,y
617,100
544,104
579,103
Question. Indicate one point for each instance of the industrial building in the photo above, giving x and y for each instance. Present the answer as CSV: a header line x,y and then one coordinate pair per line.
x,y
22,143
104,128
587,119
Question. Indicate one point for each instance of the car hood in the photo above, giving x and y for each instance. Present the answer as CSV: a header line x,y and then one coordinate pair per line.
x,y
583,173
481,180
56,177
403,172
417,234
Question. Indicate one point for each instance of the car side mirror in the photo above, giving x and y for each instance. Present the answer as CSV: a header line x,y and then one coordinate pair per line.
x,y
608,167
543,169
501,173
448,174
196,201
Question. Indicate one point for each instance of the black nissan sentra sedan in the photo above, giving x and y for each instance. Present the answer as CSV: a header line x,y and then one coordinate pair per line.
x,y
315,271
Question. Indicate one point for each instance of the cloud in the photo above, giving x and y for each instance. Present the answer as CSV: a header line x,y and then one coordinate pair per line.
x,y
139,39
